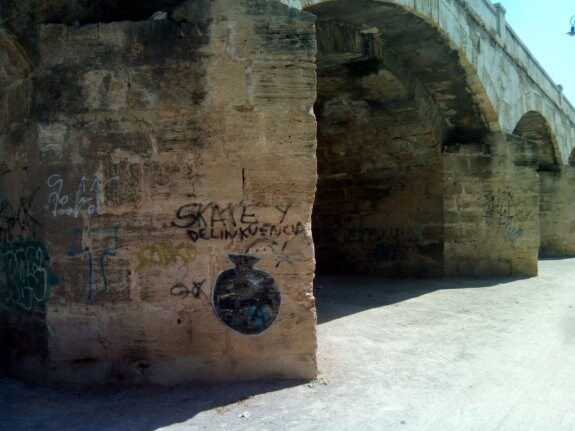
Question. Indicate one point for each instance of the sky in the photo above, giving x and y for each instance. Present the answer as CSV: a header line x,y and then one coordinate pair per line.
x,y
543,27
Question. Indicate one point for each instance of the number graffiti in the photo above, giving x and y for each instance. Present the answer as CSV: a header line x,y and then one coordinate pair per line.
x,y
87,195
180,289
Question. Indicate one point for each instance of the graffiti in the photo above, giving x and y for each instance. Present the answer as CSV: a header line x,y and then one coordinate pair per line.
x,y
218,222
501,207
163,254
111,251
16,222
502,210
180,289
280,252
87,195
389,235
246,299
27,278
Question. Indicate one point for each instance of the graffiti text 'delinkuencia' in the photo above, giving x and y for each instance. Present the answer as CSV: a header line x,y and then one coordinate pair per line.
x,y
222,222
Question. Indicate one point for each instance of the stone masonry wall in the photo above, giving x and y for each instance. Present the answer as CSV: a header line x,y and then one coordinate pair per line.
x,y
168,184
557,213
23,332
379,202
491,195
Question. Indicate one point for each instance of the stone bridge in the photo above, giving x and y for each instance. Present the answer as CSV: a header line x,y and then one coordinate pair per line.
x,y
173,173
474,66
460,59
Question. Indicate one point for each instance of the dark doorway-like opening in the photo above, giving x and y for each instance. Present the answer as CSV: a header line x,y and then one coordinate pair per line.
x,y
378,208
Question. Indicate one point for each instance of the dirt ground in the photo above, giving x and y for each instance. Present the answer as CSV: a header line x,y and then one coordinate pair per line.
x,y
459,354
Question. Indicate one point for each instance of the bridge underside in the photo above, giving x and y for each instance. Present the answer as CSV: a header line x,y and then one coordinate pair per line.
x,y
412,183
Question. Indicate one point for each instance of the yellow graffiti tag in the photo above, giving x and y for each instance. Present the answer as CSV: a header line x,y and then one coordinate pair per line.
x,y
164,253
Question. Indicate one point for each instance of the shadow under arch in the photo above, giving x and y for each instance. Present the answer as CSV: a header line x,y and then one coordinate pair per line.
x,y
428,52
533,126
393,93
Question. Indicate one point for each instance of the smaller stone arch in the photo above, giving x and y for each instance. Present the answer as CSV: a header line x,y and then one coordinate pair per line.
x,y
571,160
534,127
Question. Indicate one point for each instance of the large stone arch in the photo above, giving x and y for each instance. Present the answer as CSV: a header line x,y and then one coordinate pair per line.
x,y
555,178
427,52
393,95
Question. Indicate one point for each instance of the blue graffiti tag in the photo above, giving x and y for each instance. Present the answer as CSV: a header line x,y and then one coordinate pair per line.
x,y
113,232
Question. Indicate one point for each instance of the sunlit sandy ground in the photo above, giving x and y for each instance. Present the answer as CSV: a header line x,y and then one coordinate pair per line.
x,y
463,354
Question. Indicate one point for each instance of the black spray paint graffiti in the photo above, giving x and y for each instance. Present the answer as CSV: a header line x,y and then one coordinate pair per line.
x,y
25,265
281,252
502,210
246,299
17,222
501,207
101,233
218,222
87,195
180,289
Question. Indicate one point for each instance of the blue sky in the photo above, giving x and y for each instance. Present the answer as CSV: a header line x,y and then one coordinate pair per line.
x,y
542,26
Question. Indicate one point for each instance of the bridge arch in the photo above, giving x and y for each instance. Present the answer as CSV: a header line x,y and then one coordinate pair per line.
x,y
393,93
534,126
425,49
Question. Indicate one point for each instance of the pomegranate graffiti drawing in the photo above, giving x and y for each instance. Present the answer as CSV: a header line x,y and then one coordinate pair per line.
x,y
246,299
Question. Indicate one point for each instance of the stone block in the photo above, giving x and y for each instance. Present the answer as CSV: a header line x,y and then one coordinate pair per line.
x,y
105,90
91,276
167,87
282,86
124,185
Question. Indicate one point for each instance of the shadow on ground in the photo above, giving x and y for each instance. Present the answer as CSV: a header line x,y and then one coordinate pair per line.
x,y
340,296
24,407
148,408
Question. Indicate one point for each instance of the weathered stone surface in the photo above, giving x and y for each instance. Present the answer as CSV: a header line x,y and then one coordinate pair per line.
x,y
378,208
139,193
557,213
491,223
